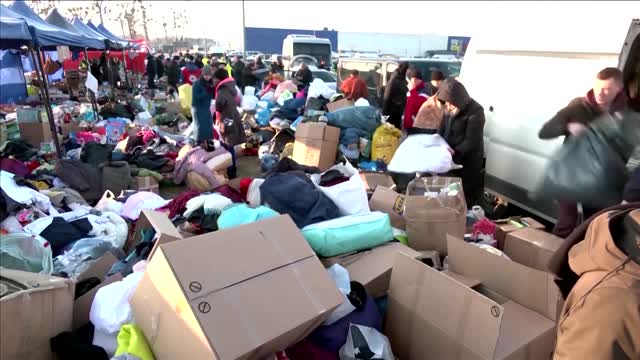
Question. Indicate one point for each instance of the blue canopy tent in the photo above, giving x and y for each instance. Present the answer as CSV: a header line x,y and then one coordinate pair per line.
x,y
121,42
108,33
15,34
58,20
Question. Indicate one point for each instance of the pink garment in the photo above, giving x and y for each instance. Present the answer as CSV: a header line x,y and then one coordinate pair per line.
x,y
301,94
143,200
195,160
147,135
287,85
84,137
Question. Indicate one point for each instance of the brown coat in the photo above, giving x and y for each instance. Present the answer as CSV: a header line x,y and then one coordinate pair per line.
x,y
430,114
601,316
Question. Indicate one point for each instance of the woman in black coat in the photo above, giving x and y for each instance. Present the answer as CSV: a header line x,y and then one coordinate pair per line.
x,y
395,95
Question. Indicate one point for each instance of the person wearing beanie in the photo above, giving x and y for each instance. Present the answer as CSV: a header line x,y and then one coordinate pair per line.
x,y
437,77
463,129
202,94
228,118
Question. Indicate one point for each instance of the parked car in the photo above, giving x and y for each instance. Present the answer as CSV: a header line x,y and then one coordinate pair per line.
x,y
376,72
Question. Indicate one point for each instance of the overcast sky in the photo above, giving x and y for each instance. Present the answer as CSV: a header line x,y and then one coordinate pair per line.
x,y
222,20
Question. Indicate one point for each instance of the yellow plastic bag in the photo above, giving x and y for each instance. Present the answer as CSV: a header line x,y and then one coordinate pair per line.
x,y
185,99
386,140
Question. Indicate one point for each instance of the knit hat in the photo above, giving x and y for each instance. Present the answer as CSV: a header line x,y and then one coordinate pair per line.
x,y
207,70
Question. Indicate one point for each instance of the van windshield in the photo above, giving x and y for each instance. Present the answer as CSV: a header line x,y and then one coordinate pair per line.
x,y
449,69
316,50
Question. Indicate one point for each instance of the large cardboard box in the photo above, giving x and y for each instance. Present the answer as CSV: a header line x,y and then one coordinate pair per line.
x,y
316,145
506,226
35,133
372,268
33,309
342,103
389,202
240,293
149,219
507,314
532,247
429,219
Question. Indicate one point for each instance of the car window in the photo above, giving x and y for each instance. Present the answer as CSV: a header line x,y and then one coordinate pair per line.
x,y
449,69
324,76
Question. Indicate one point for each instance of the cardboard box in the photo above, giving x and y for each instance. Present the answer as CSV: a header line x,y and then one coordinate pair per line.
x,y
342,103
145,183
33,308
372,268
98,269
374,179
532,247
165,231
30,115
430,219
35,133
512,224
434,316
239,293
316,145
389,202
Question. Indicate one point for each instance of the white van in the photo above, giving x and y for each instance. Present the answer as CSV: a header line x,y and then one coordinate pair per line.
x,y
305,48
523,81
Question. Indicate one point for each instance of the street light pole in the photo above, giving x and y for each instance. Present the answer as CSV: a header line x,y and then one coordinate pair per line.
x,y
244,36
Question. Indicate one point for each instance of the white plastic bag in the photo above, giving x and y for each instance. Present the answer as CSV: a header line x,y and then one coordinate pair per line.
x,y
319,88
365,343
144,118
26,252
340,276
249,91
269,96
422,153
350,196
108,202
249,102
361,102
110,308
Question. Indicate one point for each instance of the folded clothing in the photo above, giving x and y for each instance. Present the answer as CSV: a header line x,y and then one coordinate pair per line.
x,y
61,233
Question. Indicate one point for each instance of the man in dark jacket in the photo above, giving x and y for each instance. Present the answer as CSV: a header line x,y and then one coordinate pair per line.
x,y
249,77
277,66
607,95
463,129
395,95
151,72
160,66
259,63
304,75
173,73
237,69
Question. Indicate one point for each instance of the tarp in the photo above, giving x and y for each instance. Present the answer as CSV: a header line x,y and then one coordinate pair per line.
x,y
44,34
122,43
58,20
104,30
92,33
15,33
13,88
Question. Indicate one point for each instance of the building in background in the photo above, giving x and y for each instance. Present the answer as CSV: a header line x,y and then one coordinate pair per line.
x,y
402,45
269,41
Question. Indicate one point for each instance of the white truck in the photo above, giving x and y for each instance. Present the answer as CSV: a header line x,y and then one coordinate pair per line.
x,y
305,48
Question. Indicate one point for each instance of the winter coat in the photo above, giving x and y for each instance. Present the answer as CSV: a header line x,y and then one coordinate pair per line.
x,y
201,96
395,94
84,178
190,73
582,110
305,76
430,115
151,67
249,78
237,70
173,73
464,132
354,88
195,160
632,190
601,315
430,89
159,67
227,100
417,97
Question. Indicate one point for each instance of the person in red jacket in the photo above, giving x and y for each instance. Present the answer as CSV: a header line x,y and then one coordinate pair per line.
x,y
417,96
354,87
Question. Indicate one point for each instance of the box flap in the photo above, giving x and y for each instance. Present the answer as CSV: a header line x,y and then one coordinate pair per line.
x,y
531,247
524,285
389,202
466,281
260,247
520,327
160,222
99,268
374,179
425,305
26,282
318,131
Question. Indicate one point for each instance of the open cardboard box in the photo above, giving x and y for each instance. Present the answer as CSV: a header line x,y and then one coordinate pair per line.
x,y
373,179
389,202
33,309
532,247
239,293
316,144
507,313
372,268
165,231
506,226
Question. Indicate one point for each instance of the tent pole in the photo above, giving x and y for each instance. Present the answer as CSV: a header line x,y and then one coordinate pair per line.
x,y
92,96
47,104
124,62
41,55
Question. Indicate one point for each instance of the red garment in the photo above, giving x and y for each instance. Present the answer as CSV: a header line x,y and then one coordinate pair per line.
x,y
146,135
354,88
179,204
244,186
417,96
230,193
190,75
32,165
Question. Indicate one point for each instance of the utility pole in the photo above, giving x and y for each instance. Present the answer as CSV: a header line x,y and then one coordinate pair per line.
x,y
244,36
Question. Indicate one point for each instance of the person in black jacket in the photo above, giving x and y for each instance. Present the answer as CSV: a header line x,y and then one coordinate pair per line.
x,y
173,73
160,66
249,77
304,75
463,129
632,190
237,70
395,95
151,72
